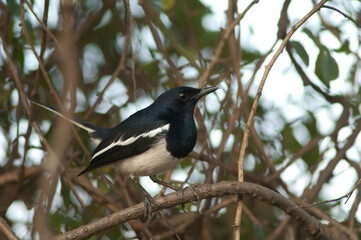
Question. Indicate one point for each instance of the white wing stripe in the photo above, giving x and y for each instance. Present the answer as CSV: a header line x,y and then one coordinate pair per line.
x,y
131,140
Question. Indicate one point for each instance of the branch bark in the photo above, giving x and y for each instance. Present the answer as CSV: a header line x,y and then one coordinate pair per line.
x,y
14,175
312,226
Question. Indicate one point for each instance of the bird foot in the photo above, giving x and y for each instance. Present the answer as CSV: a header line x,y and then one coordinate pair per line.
x,y
168,185
148,201
195,193
193,190
147,198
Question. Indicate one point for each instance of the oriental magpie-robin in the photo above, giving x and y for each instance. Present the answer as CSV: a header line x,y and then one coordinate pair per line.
x,y
151,140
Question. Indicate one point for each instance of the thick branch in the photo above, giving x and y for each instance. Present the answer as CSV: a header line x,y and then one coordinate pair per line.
x,y
14,175
204,191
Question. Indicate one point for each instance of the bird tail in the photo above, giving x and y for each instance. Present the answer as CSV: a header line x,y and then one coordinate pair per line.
x,y
90,128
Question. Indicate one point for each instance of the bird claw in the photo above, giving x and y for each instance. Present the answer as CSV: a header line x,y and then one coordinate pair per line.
x,y
183,207
147,207
168,185
148,200
193,190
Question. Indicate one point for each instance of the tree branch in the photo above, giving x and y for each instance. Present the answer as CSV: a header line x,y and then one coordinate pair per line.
x,y
6,231
13,176
204,191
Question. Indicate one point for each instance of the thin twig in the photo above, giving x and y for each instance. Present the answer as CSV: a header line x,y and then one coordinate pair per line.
x,y
45,74
343,14
347,196
222,42
6,230
237,220
118,70
68,181
148,19
42,24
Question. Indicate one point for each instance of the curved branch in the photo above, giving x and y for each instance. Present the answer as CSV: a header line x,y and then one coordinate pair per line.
x,y
313,227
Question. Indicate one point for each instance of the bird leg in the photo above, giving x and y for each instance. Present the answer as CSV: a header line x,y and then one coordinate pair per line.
x,y
156,180
168,185
147,198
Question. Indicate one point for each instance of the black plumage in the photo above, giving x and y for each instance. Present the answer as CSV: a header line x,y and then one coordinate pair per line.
x,y
151,140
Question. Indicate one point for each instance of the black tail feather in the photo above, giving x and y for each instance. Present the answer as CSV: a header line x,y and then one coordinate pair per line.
x,y
97,133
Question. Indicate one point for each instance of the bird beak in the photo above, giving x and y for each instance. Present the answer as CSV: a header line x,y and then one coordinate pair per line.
x,y
205,91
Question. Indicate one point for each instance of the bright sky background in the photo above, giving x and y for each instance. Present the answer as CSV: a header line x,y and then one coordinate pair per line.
x,y
283,87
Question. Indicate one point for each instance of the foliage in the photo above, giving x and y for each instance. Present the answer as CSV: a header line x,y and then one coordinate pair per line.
x,y
106,59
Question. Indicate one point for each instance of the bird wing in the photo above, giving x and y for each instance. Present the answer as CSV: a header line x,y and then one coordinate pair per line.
x,y
117,147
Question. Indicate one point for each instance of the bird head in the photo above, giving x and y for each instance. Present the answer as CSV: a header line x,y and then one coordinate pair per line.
x,y
182,99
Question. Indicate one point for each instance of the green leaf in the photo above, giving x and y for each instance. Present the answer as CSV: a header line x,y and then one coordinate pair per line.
x,y
301,52
168,4
250,56
315,38
259,231
311,156
14,7
102,186
345,47
288,139
326,68
311,124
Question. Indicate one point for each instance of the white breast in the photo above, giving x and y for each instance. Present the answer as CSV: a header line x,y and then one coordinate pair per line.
x,y
152,162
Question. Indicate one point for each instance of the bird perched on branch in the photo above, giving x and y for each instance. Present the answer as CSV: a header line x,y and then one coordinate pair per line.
x,y
151,140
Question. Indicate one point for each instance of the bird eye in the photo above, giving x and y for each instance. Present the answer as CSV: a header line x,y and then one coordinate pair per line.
x,y
183,97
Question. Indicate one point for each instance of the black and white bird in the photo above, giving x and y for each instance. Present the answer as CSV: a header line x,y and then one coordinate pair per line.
x,y
151,140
